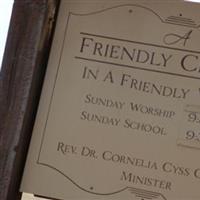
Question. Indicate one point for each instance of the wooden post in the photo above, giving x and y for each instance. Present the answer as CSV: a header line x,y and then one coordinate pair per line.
x,y
23,69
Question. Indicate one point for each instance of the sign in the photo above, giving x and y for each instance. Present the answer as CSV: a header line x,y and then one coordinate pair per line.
x,y
119,116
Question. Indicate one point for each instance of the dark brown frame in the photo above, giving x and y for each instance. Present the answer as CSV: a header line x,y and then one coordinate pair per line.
x,y
25,60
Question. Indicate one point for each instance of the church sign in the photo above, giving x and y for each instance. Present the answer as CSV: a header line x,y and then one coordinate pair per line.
x,y
119,116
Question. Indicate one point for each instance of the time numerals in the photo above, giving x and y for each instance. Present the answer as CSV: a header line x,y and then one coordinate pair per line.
x,y
193,118
192,135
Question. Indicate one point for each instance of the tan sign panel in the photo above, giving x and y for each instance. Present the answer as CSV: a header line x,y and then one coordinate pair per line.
x,y
119,116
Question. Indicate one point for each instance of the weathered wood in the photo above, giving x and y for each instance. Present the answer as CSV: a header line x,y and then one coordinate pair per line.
x,y
21,78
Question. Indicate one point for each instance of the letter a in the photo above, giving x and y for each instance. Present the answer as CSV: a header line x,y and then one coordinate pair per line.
x,y
109,77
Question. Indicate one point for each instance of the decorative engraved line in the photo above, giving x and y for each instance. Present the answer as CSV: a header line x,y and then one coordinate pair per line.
x,y
192,108
130,189
134,5
191,111
81,188
119,6
189,145
141,191
144,197
181,18
138,68
54,86
146,194
175,23
180,23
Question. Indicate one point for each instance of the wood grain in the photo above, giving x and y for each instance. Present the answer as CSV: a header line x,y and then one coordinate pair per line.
x,y
21,78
